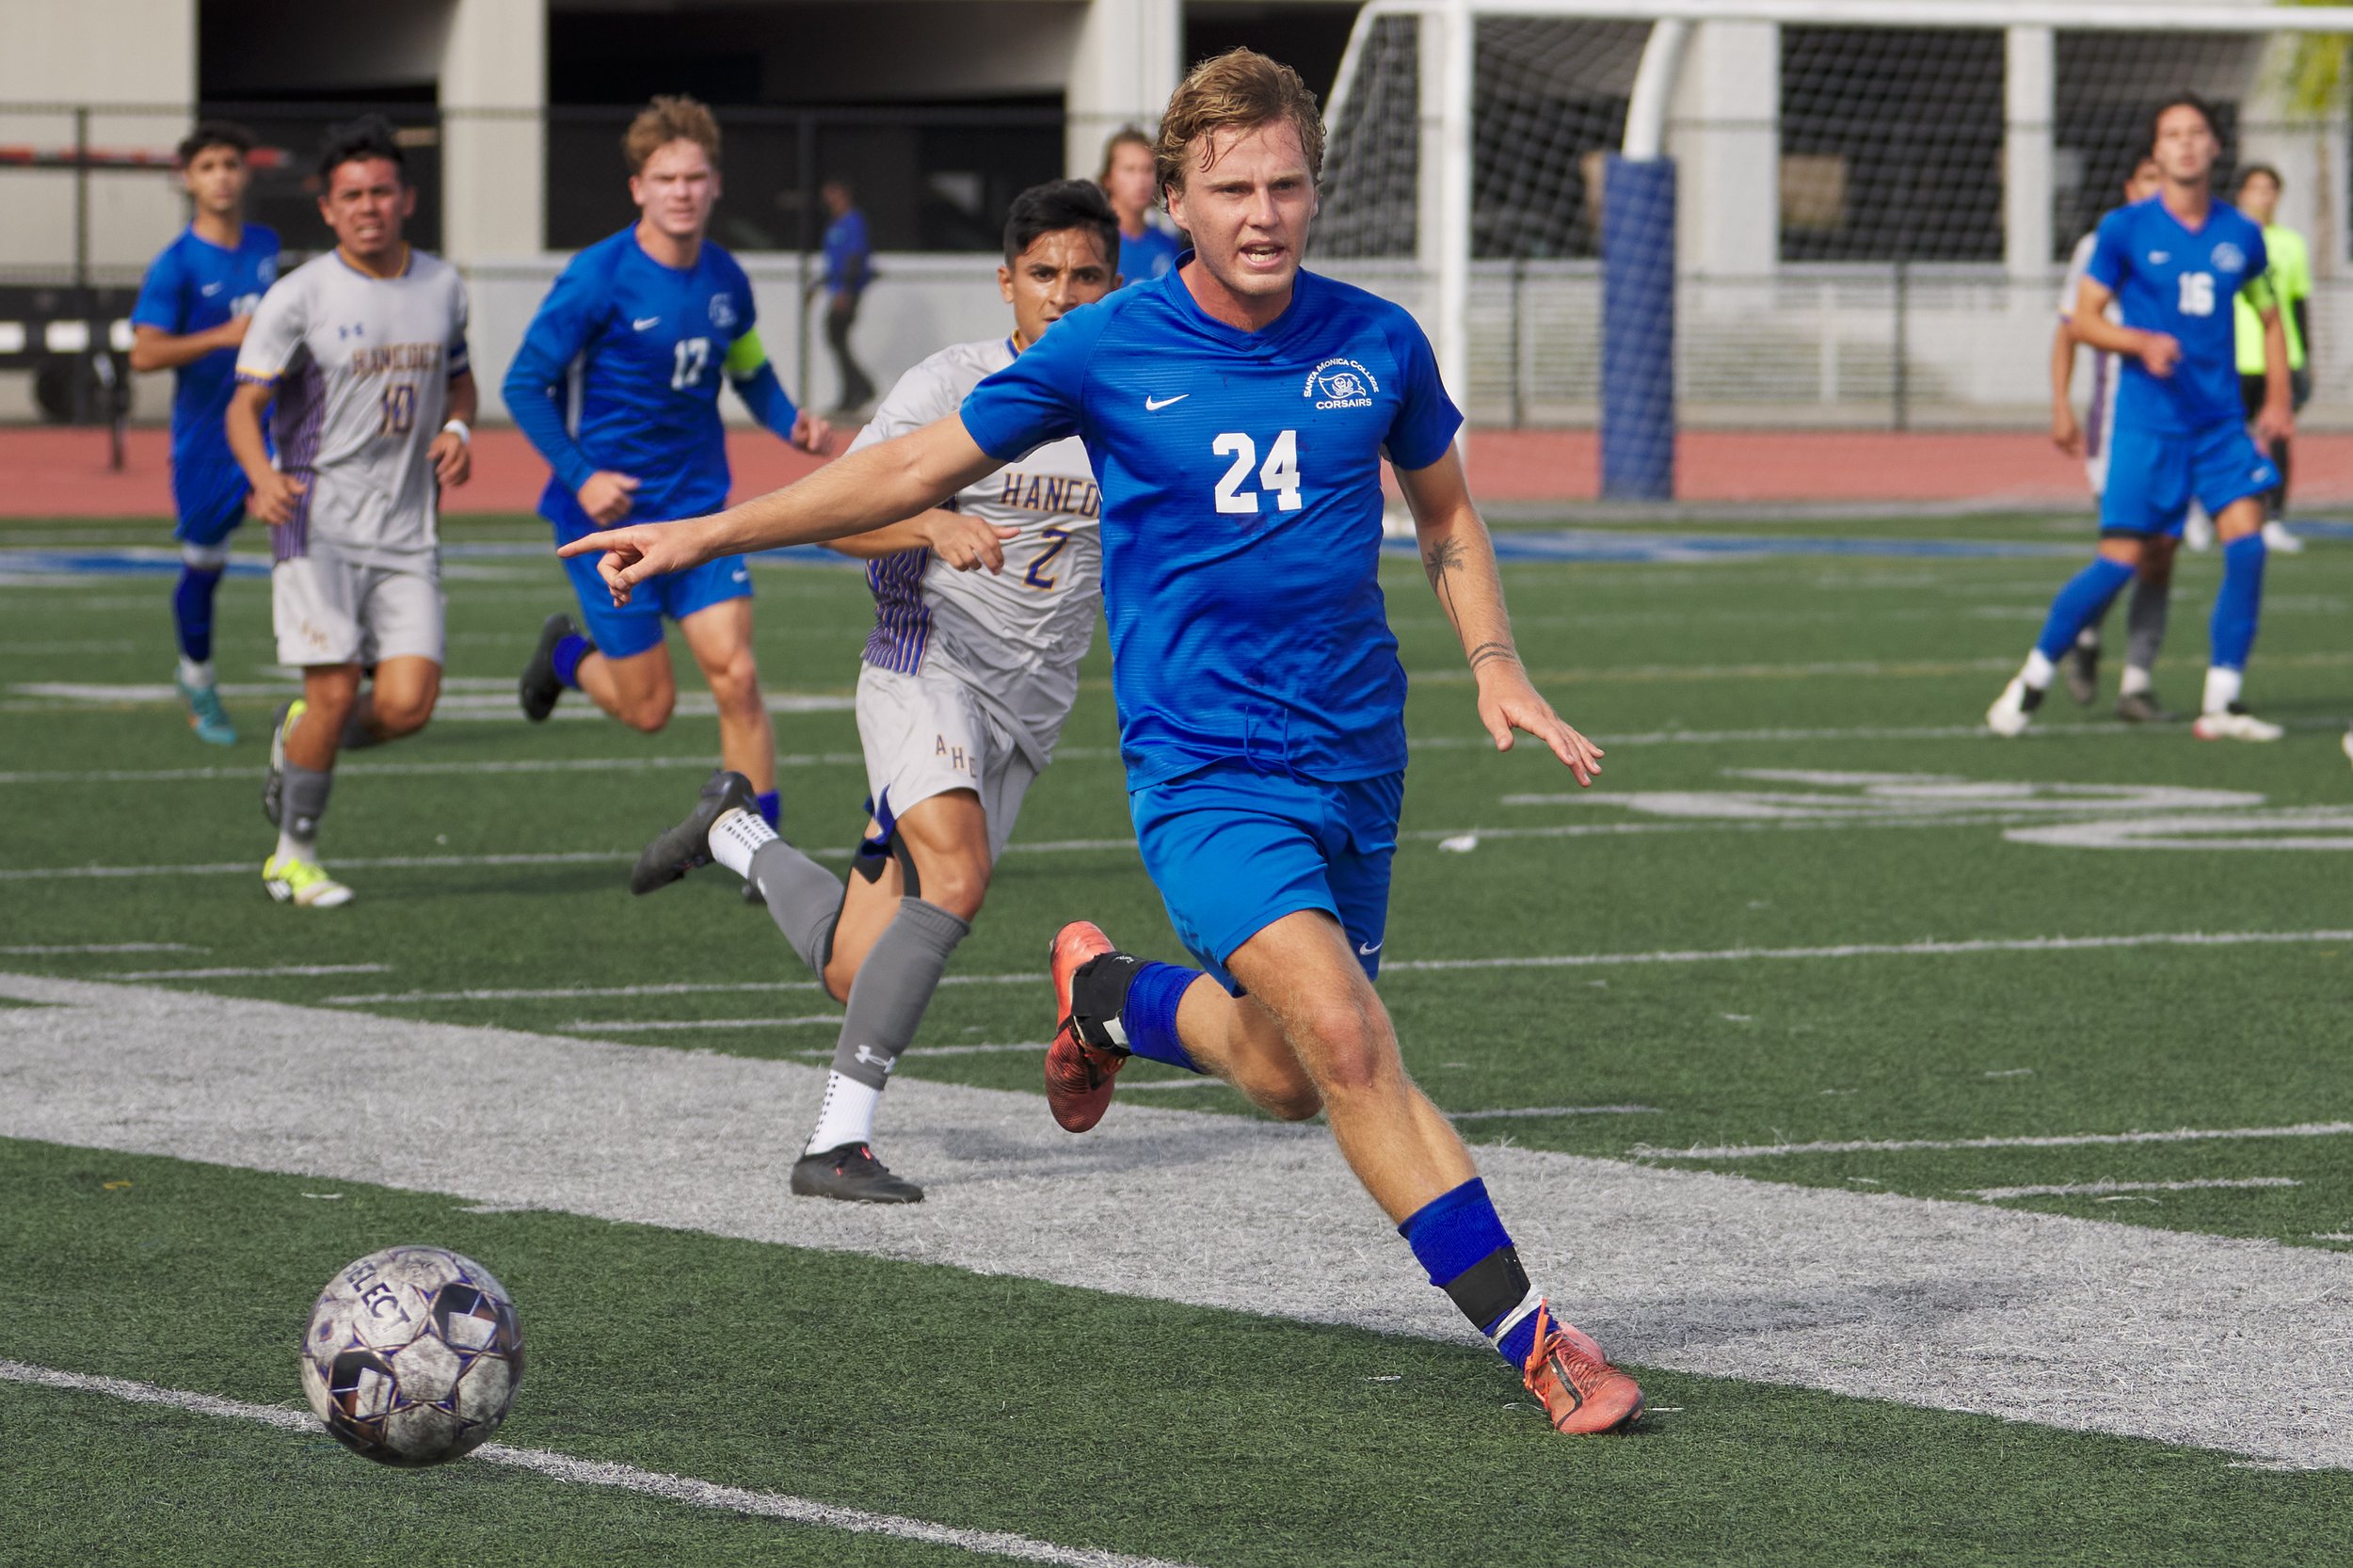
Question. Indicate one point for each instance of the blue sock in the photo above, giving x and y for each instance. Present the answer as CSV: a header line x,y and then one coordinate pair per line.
x,y
2082,603
1149,1014
2240,605
770,808
568,653
1462,1245
192,612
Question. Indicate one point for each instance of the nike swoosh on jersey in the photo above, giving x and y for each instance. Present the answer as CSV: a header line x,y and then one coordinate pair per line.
x,y
2158,257
1154,405
641,323
1376,947
209,290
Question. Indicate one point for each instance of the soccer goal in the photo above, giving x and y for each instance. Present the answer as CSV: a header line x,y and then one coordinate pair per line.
x,y
1707,217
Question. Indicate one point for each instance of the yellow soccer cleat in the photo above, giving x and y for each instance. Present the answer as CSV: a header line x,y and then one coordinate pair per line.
x,y
303,884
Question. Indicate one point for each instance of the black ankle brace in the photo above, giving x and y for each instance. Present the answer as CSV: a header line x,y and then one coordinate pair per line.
x,y
1097,993
1490,1287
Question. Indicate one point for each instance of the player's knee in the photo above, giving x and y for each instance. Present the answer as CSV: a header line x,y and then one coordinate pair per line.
x,y
646,714
401,715
958,886
735,681
1350,1050
1289,1102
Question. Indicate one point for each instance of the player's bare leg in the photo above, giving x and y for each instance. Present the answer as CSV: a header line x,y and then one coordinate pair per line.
x,y
399,701
2236,609
640,690
303,747
720,638
1302,978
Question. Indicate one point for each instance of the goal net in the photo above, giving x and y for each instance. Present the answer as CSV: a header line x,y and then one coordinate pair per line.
x,y
1869,203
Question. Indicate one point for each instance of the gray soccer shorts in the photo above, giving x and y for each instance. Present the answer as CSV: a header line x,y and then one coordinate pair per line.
x,y
926,735
329,610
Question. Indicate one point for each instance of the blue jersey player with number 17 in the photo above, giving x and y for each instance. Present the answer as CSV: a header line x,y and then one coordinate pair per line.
x,y
191,317
1237,412
2173,264
617,383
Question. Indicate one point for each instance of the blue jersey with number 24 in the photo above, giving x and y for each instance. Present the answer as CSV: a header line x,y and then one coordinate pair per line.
x,y
2180,281
1240,477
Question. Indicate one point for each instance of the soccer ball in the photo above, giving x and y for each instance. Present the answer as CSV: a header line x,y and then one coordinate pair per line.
x,y
413,1357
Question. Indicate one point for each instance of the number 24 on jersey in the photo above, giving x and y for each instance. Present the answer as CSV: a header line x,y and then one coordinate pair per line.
x,y
1278,477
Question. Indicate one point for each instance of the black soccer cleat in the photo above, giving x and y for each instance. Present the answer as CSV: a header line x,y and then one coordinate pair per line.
x,y
539,688
2081,670
851,1174
2143,708
683,848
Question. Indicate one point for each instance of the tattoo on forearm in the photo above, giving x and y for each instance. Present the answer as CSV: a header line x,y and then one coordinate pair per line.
x,y
1487,653
1439,564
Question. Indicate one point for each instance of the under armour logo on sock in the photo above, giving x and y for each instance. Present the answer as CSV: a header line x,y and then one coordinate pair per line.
x,y
868,1056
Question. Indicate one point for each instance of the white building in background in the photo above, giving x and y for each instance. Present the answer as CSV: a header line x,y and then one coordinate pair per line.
x,y
1790,216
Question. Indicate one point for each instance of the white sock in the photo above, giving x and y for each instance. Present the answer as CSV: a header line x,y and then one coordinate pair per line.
x,y
2135,682
2088,637
735,837
2038,672
292,848
848,1114
196,675
2222,688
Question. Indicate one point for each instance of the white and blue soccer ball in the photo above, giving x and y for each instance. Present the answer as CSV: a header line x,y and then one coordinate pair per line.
x,y
413,1355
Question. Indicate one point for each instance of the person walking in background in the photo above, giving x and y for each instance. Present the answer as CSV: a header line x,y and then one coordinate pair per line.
x,y
849,267
2291,277
1147,250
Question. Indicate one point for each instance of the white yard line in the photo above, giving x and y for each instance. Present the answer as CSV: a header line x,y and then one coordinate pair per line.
x,y
34,948
654,1026
2096,1189
1432,966
625,1477
1946,1305
2040,1140
701,763
249,971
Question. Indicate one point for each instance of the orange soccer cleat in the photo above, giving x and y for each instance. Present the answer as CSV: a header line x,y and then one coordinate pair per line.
x,y
1077,1075
1581,1392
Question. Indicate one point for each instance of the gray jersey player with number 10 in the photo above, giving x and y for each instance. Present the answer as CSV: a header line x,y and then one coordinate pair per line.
x,y
967,677
360,358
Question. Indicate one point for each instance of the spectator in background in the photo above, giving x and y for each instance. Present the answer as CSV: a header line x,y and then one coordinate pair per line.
x,y
849,269
1147,250
2291,277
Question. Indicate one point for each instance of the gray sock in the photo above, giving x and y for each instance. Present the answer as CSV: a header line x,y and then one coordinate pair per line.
x,y
892,989
356,736
2144,623
804,899
305,802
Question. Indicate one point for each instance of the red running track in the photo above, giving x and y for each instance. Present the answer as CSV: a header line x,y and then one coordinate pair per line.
x,y
48,472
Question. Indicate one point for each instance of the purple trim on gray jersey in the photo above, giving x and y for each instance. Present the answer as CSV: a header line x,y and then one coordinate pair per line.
x,y
2102,371
903,622
301,412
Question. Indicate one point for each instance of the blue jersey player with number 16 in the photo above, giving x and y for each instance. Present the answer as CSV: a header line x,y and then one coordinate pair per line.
x,y
1237,412
2173,263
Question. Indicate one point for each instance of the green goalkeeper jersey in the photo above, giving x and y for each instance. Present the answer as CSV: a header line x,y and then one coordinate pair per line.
x,y
2291,277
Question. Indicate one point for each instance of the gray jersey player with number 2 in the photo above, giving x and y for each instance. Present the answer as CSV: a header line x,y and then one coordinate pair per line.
x,y
967,678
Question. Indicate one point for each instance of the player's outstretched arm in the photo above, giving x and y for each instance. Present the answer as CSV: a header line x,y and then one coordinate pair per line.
x,y
1459,560
965,542
868,489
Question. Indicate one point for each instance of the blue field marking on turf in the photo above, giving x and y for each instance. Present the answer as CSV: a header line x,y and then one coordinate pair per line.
x,y
133,562
1599,545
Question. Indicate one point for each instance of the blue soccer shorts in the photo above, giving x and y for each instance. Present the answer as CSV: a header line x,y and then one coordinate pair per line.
x,y
209,501
622,631
2152,478
1232,850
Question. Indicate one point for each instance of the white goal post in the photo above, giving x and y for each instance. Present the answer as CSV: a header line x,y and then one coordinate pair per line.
x,y
1468,141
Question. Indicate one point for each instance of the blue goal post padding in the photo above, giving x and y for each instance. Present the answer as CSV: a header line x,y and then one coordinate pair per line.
x,y
1638,329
